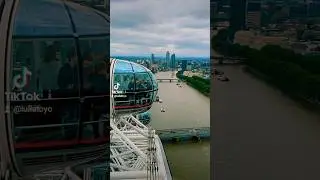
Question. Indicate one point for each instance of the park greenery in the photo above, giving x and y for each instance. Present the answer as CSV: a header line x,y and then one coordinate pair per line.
x,y
198,83
295,74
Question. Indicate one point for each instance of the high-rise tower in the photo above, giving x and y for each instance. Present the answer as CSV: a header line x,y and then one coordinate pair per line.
x,y
173,62
237,14
167,59
184,65
152,58
253,14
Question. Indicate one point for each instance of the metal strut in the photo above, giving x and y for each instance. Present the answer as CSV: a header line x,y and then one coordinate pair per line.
x,y
132,149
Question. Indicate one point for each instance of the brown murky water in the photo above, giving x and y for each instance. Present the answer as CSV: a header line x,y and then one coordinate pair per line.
x,y
185,108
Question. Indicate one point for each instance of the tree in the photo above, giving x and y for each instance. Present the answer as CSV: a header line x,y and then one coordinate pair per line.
x,y
293,73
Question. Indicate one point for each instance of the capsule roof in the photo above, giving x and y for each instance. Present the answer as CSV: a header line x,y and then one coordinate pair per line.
x,y
122,66
57,18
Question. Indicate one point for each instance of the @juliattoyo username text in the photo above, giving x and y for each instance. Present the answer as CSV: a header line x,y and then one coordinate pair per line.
x,y
29,109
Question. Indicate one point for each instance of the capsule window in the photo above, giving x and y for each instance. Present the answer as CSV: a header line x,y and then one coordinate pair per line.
x,y
143,82
155,87
96,71
134,87
58,66
96,86
123,89
22,68
154,80
100,48
45,66
123,83
35,109
122,67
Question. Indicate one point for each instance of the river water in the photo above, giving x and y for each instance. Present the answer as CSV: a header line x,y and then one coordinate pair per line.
x,y
185,108
259,133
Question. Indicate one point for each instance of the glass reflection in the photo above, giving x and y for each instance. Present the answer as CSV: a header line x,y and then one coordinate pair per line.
x,y
68,73
41,71
94,54
49,70
96,84
123,67
99,79
143,82
134,86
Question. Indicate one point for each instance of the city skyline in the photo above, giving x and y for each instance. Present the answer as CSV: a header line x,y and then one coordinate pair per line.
x,y
160,26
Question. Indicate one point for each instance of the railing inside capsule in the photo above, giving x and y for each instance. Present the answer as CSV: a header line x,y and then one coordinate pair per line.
x,y
61,132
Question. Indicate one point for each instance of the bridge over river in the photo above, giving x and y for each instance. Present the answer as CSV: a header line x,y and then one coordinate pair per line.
x,y
167,79
184,134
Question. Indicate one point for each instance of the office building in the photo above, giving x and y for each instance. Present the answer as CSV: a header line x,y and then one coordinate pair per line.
x,y
173,61
167,59
189,67
313,8
237,14
152,59
213,8
184,64
253,14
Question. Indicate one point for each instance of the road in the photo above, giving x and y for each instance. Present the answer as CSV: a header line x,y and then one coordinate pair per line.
x,y
260,134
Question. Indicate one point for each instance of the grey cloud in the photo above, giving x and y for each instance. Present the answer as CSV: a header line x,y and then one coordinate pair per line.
x,y
129,20
144,26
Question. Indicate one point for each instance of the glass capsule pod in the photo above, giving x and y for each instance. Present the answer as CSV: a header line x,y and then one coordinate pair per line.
x,y
145,117
134,87
56,93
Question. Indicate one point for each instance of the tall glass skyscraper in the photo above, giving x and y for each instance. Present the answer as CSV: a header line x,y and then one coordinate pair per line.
x,y
173,61
152,58
237,14
167,59
253,14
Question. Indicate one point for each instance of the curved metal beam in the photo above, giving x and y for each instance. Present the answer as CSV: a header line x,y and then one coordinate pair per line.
x,y
8,160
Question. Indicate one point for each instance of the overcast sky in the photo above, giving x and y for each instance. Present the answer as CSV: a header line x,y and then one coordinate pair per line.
x,y
142,27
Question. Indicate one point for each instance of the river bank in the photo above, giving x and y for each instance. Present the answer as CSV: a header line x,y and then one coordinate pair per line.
x,y
197,83
293,73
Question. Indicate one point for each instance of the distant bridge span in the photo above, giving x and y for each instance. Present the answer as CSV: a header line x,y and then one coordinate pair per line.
x,y
226,60
167,79
184,134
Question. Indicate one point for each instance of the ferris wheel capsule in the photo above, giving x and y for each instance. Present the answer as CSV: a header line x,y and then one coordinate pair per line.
x,y
54,103
134,87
